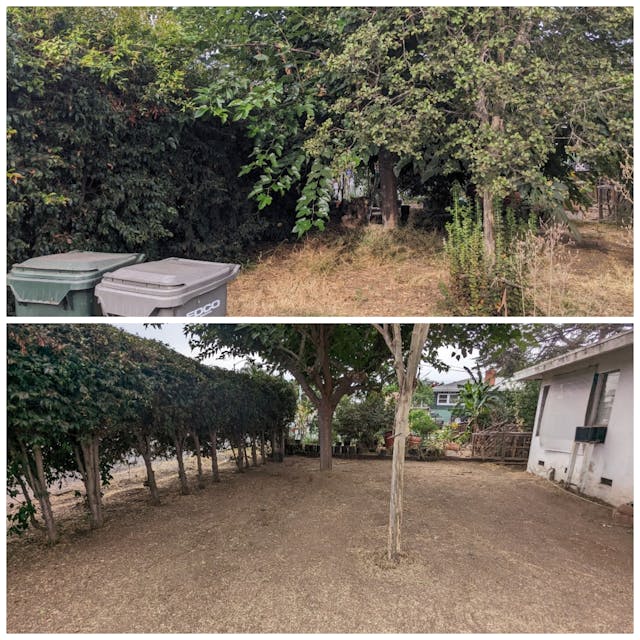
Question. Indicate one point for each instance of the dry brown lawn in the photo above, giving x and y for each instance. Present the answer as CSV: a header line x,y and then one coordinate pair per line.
x,y
370,273
344,273
600,273
286,548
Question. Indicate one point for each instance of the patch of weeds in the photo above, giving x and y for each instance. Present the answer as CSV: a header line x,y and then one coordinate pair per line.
x,y
360,296
397,245
527,275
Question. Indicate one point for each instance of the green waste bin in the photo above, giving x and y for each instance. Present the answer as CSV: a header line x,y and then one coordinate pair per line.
x,y
171,287
62,284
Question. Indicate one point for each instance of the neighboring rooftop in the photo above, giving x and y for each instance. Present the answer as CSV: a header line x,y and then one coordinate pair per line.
x,y
451,386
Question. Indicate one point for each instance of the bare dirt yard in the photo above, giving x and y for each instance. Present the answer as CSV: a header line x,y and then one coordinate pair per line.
x,y
355,272
286,548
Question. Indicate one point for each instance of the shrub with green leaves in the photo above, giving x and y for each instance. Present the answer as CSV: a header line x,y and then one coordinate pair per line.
x,y
363,419
103,152
421,423
483,284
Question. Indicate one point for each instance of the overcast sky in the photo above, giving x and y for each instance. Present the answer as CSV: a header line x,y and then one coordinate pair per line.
x,y
173,336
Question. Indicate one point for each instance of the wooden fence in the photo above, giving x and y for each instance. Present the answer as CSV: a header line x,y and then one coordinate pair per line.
x,y
505,446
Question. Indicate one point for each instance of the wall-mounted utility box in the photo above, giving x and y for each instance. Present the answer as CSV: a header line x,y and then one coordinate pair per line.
x,y
591,434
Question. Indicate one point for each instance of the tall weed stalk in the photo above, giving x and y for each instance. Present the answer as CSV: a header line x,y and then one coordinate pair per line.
x,y
524,277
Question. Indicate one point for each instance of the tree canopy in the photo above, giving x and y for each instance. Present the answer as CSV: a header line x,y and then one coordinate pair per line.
x,y
82,397
169,129
330,361
495,92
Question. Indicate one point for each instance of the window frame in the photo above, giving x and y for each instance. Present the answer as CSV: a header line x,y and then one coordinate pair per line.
x,y
596,396
544,394
448,394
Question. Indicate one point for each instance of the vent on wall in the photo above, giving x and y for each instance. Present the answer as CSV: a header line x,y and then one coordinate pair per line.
x,y
541,463
607,481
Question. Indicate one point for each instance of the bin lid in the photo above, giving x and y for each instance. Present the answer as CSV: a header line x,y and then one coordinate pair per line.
x,y
173,273
49,278
163,284
77,262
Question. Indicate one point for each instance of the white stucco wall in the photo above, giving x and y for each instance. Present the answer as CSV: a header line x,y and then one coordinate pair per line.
x,y
566,408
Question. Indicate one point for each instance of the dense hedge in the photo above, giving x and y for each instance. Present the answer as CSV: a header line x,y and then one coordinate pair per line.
x,y
103,152
81,398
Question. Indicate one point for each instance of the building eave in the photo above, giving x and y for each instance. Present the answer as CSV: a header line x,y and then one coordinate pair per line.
x,y
567,360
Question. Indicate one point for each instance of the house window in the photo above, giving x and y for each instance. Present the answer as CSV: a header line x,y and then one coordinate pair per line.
x,y
447,398
543,402
603,393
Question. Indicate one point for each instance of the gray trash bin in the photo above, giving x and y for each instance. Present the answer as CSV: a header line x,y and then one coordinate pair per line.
x,y
62,284
170,287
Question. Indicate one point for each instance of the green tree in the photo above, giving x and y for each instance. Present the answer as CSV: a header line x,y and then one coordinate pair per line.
x,y
37,415
65,393
424,395
276,411
362,419
328,361
508,64
544,341
408,345
443,89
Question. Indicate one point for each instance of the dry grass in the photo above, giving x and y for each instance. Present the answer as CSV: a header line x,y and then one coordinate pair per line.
x,y
352,272
285,548
369,272
600,279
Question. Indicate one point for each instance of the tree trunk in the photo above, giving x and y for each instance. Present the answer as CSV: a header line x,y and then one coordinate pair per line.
x,y
144,448
213,437
38,483
263,453
483,113
277,449
388,188
88,458
246,455
151,478
27,498
488,224
184,484
239,456
406,372
196,444
254,452
325,413
401,429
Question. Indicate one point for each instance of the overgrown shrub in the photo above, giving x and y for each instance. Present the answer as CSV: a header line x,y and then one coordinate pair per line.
x,y
421,423
525,276
103,152
363,419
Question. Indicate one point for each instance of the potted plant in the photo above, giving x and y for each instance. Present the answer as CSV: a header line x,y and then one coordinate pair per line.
x,y
388,439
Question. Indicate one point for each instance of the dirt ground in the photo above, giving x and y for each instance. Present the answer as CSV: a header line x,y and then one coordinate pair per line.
x,y
286,548
351,273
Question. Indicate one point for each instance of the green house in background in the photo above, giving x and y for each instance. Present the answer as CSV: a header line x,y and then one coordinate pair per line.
x,y
446,398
